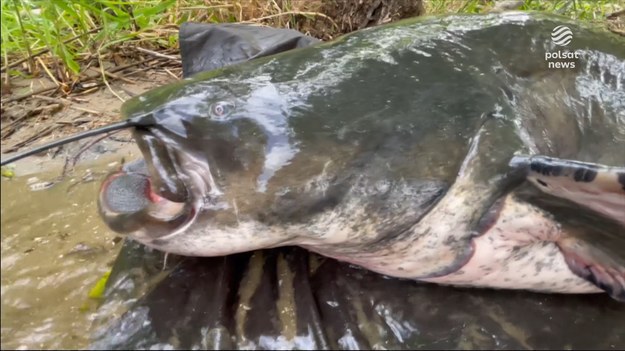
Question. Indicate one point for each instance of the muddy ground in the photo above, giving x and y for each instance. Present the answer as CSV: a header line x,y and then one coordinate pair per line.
x,y
43,117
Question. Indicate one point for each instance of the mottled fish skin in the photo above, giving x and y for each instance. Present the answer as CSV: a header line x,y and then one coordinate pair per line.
x,y
520,245
398,178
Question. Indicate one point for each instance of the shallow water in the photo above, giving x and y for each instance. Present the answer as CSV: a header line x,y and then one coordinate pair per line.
x,y
54,249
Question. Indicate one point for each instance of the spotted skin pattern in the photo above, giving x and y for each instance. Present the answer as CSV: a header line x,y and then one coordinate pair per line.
x,y
521,245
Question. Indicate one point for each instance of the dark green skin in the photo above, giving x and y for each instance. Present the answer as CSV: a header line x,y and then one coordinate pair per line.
x,y
379,140
199,304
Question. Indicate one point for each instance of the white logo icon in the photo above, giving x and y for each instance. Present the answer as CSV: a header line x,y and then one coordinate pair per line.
x,y
561,35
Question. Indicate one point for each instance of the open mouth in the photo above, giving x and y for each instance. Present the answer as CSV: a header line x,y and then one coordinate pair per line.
x,y
155,197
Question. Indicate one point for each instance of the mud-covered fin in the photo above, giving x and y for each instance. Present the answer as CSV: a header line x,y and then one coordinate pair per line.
x,y
590,263
595,186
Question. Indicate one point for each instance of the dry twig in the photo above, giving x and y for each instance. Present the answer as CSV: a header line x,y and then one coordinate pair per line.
x,y
67,103
45,90
158,54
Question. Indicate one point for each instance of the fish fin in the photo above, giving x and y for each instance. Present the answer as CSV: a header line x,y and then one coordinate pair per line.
x,y
594,265
598,187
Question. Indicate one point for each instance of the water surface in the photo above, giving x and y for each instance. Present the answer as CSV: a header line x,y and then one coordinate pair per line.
x,y
54,249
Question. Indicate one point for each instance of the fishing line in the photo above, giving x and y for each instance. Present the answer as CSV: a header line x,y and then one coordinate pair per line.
x,y
89,133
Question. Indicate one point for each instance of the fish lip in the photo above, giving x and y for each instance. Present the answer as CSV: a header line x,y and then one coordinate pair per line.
x,y
193,172
162,216
162,169
199,193
171,168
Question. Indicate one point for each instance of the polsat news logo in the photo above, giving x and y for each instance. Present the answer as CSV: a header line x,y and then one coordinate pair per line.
x,y
561,36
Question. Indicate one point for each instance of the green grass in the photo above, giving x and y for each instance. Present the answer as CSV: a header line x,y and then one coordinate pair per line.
x,y
74,32
95,25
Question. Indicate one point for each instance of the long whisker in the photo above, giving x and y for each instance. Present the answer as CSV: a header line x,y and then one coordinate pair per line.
x,y
133,122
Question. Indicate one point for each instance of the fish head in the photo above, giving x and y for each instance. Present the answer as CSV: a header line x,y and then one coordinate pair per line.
x,y
204,145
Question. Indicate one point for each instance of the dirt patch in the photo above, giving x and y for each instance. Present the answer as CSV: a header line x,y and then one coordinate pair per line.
x,y
41,118
616,22
327,19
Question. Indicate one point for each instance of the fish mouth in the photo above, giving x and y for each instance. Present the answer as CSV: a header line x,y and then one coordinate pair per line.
x,y
158,196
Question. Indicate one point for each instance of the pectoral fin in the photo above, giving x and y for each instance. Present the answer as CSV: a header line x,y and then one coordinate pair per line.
x,y
594,265
594,186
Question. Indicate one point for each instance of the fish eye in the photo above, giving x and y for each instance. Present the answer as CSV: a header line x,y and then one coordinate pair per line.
x,y
221,109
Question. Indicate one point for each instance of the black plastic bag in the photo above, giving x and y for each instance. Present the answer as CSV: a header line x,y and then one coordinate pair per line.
x,y
204,47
